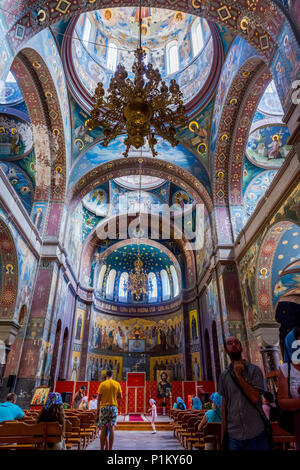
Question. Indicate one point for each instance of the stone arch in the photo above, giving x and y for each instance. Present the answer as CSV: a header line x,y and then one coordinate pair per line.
x,y
147,166
264,265
92,241
263,23
9,272
38,89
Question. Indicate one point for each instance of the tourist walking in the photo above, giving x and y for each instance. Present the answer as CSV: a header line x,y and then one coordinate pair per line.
x,y
109,393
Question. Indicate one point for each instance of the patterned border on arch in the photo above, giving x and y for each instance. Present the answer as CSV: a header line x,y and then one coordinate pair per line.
x,y
9,272
264,270
240,136
264,28
129,166
228,119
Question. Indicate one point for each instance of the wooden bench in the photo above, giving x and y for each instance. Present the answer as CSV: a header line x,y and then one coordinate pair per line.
x,y
17,435
281,438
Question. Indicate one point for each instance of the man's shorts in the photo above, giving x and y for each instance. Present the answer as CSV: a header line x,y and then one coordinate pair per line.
x,y
108,415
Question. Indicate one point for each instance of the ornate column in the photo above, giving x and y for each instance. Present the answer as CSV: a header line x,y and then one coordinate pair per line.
x,y
267,336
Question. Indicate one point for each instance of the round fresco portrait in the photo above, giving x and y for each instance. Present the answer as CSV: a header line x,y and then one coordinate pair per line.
x,y
267,146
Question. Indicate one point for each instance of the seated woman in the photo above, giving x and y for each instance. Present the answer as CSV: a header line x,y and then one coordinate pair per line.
x,y
179,405
196,403
214,415
53,411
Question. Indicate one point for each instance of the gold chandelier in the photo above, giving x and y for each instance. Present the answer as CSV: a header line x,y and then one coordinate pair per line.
x,y
140,108
138,280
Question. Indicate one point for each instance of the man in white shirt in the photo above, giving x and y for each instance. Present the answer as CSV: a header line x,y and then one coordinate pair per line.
x,y
93,402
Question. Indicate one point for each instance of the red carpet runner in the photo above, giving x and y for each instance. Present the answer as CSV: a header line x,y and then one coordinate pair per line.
x,y
133,418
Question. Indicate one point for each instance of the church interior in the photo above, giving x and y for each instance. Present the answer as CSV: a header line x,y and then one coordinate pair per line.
x,y
141,254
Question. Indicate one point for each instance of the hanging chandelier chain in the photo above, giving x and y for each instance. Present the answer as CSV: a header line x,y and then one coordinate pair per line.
x,y
141,108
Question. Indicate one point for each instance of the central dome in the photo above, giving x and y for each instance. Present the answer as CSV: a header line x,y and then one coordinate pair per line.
x,y
179,45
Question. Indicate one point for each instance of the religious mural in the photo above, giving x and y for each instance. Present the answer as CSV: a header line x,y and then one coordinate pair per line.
x,y
194,327
75,364
73,242
255,190
196,366
170,366
15,138
96,201
79,325
98,365
20,182
118,334
267,146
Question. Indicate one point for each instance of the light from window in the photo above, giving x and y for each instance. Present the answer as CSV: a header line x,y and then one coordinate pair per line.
x,y
101,277
172,55
86,32
175,281
123,291
165,284
112,55
197,37
10,78
152,287
110,284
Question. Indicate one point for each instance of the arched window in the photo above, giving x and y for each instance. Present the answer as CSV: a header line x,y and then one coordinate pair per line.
x,y
101,277
175,281
110,284
112,56
123,291
86,32
172,57
165,284
152,287
197,37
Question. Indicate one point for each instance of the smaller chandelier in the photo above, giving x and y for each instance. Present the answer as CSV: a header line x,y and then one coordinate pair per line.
x,y
138,280
141,108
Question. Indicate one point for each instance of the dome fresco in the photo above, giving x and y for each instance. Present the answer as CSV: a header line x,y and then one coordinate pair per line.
x,y
113,33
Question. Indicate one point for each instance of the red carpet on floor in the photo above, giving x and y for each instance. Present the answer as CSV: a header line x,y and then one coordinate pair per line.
x,y
135,418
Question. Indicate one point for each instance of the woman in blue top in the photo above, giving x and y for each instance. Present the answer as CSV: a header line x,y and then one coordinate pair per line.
x,y
179,405
214,415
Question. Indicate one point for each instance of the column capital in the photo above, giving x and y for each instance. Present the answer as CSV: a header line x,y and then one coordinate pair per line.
x,y
266,334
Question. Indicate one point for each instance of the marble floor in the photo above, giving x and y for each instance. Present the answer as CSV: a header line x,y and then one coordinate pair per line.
x,y
141,440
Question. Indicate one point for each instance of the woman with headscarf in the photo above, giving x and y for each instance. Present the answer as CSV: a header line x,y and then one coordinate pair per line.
x,y
289,380
153,411
179,405
214,415
53,411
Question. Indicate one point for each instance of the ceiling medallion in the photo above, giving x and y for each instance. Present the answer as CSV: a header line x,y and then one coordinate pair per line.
x,y
140,108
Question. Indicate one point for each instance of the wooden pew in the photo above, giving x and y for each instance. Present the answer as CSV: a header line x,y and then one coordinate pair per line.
x,y
17,435
281,438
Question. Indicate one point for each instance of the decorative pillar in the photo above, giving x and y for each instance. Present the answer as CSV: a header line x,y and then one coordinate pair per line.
x,y
267,336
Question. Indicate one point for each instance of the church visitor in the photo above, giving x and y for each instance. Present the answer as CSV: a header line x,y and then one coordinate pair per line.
x,y
109,393
269,406
289,381
78,397
84,404
241,386
179,405
93,402
153,411
53,411
9,411
214,415
196,403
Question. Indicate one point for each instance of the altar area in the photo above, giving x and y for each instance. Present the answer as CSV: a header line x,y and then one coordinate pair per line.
x,y
136,392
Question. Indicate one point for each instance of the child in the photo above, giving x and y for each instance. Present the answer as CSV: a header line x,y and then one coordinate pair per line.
x,y
154,414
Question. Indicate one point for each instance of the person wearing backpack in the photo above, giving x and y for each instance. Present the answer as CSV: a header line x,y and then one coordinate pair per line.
x,y
270,408
289,385
179,405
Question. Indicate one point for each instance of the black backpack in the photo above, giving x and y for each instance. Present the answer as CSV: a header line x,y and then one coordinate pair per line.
x,y
275,412
180,406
